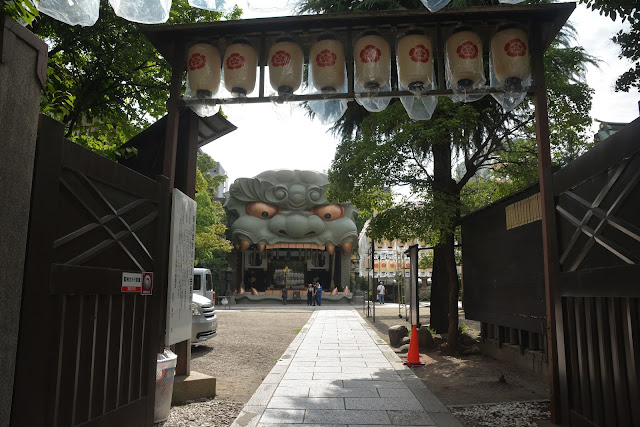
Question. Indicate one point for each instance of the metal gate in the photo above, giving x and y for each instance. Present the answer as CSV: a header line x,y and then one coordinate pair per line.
x,y
598,292
87,350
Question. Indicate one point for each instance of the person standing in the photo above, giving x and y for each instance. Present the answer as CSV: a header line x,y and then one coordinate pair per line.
x,y
314,296
284,296
381,292
310,294
319,293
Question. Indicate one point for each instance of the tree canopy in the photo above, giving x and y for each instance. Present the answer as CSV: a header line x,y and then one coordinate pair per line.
x,y
383,152
106,82
629,41
211,246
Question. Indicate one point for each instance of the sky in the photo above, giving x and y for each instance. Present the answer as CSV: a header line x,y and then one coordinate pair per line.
x,y
283,137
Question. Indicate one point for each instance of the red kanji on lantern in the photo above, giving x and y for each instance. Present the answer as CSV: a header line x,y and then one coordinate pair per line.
x,y
370,53
515,47
326,58
197,61
419,53
280,59
467,50
235,61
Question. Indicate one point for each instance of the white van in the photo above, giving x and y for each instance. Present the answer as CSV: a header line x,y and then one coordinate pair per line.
x,y
203,283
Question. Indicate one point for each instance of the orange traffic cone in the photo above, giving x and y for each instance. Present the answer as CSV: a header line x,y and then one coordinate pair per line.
x,y
413,358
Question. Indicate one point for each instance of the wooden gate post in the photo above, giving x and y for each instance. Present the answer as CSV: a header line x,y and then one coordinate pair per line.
x,y
547,209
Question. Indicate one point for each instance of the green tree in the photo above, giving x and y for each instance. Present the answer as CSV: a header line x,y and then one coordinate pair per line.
x,y
106,82
629,41
211,245
387,150
24,12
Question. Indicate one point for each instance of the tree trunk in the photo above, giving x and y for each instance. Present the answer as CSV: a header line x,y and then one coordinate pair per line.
x,y
443,255
439,290
453,295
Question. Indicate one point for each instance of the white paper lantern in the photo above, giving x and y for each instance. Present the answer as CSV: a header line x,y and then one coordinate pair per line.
x,y
327,64
372,60
510,57
285,67
240,62
464,60
415,62
203,69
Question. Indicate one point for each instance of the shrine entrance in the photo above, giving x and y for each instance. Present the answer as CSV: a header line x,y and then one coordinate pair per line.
x,y
275,269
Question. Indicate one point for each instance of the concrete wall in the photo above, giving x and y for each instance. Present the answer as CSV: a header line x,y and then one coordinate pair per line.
x,y
19,105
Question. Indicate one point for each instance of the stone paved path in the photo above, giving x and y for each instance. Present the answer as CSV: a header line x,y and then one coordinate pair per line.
x,y
338,372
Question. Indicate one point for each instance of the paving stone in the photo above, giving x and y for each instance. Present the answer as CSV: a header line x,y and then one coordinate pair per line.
x,y
306,425
346,417
297,363
386,377
429,401
343,392
387,370
306,403
394,425
347,362
292,391
282,416
340,373
298,375
314,369
279,369
262,395
312,383
273,378
249,416
410,418
373,384
382,403
394,392
341,376
384,364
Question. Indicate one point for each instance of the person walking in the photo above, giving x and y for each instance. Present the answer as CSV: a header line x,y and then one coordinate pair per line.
x,y
284,296
319,293
381,292
309,294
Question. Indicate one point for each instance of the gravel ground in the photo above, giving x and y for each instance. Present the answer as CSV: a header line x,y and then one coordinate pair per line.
x,y
247,346
250,341
207,413
520,414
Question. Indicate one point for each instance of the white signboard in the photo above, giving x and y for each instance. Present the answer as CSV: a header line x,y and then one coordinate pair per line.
x,y
131,282
181,254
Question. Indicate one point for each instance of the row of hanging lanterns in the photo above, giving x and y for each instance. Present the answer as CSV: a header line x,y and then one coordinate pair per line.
x,y
463,63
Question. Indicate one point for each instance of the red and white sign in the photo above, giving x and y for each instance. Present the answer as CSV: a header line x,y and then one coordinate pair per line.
x,y
147,283
131,282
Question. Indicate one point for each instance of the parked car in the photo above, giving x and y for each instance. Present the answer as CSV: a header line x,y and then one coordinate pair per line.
x,y
204,323
203,284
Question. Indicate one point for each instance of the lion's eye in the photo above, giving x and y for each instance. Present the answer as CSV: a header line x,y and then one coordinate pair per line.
x,y
329,212
262,210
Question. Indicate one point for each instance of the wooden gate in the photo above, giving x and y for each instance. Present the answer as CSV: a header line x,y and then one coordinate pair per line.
x,y
87,350
598,292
